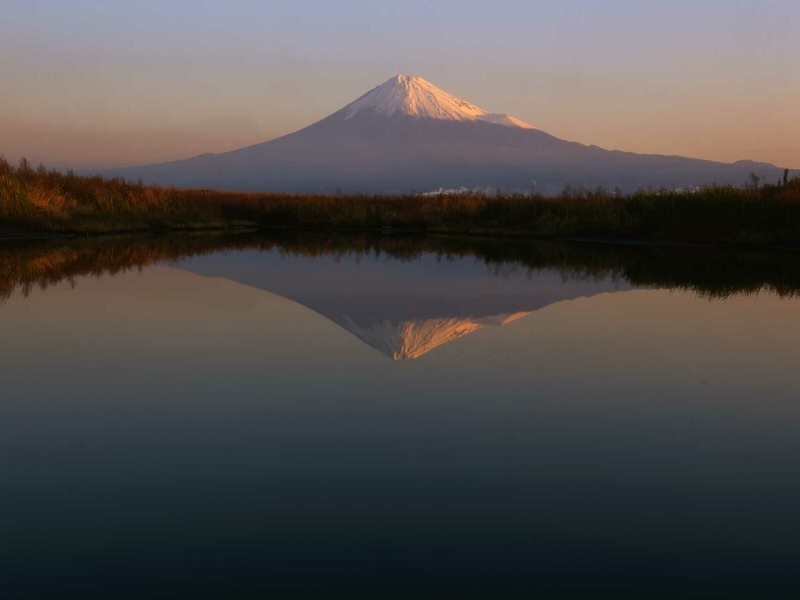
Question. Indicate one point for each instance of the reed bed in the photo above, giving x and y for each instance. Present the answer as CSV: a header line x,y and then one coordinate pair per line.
x,y
47,200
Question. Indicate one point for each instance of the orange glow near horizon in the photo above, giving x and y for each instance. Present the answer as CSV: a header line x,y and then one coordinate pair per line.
x,y
113,84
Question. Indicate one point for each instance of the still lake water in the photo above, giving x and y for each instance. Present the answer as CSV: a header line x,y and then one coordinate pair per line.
x,y
225,419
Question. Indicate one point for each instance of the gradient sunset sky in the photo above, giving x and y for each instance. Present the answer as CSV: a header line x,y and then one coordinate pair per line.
x,y
108,83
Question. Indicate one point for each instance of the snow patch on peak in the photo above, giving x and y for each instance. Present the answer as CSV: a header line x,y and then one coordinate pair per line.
x,y
416,97
506,120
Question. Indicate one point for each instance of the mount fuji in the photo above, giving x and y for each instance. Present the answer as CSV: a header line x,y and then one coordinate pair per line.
x,y
407,134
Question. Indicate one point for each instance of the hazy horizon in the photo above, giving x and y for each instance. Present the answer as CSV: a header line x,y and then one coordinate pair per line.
x,y
93,84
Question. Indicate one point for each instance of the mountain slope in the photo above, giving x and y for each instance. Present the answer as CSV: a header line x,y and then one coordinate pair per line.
x,y
406,135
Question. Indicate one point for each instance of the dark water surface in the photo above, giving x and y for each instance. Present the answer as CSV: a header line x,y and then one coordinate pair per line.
x,y
190,416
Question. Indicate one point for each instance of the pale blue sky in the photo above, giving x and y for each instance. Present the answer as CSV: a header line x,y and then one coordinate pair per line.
x,y
99,83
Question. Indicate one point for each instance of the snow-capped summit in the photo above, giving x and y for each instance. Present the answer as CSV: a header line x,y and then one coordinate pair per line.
x,y
415,97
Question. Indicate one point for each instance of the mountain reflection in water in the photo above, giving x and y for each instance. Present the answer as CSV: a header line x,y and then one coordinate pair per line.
x,y
393,292
404,309
185,432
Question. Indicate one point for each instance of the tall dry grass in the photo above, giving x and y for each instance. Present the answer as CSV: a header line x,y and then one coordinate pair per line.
x,y
50,200
755,214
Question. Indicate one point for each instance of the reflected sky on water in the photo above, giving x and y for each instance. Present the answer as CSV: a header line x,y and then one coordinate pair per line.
x,y
249,420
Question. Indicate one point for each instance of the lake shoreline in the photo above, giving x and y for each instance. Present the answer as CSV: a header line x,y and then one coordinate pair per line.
x,y
42,203
21,235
